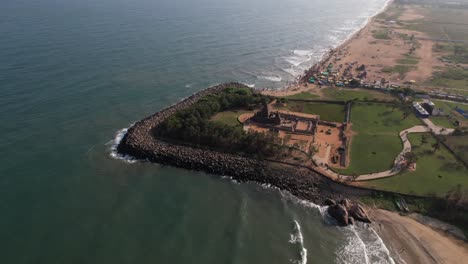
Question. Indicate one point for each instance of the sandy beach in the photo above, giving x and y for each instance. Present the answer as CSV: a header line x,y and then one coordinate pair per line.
x,y
412,242
389,52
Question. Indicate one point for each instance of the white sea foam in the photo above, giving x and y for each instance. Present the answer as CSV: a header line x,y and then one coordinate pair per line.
x,y
113,147
299,57
363,246
297,238
273,78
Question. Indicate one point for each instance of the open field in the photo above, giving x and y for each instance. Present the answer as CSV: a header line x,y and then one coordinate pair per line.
x,y
328,112
441,22
459,145
374,118
452,77
443,122
303,95
436,173
229,117
372,153
377,143
448,108
354,94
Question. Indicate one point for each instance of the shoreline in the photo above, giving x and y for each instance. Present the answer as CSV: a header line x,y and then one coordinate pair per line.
x,y
403,236
410,241
297,85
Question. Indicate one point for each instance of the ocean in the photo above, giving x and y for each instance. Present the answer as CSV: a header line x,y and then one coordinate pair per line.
x,y
75,73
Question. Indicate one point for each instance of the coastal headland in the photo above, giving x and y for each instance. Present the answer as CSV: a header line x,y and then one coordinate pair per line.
x,y
140,143
320,154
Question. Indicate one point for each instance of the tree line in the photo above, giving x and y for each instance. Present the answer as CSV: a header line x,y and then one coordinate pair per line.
x,y
193,126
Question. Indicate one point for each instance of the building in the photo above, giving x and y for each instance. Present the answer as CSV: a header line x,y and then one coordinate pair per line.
x,y
267,116
428,106
420,111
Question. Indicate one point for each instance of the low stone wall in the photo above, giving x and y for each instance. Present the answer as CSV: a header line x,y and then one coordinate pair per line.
x,y
140,143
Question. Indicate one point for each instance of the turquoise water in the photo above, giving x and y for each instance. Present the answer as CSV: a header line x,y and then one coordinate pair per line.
x,y
74,73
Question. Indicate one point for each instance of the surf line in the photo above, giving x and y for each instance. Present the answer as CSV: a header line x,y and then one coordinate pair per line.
x,y
298,238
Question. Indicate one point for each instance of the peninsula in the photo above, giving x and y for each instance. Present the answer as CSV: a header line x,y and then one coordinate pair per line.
x,y
370,122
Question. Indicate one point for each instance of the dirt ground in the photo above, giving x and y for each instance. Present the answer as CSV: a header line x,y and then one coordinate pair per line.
x,y
327,143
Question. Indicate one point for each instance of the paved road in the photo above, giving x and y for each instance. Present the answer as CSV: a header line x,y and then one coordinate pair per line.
x,y
437,129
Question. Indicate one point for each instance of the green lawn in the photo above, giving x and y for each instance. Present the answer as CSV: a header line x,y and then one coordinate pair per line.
x,y
449,106
327,112
458,144
377,142
443,122
303,95
371,119
372,153
436,173
348,95
228,117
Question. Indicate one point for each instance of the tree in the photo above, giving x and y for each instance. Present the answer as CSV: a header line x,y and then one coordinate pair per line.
x,y
423,139
410,158
435,146
407,109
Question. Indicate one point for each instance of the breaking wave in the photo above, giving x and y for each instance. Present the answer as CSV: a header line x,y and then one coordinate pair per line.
x,y
297,238
115,143
363,246
273,78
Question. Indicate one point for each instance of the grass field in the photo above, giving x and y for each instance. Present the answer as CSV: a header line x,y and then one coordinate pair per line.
x,y
442,22
459,145
228,117
443,122
328,112
348,95
303,95
372,153
448,108
373,118
436,173
377,142
451,77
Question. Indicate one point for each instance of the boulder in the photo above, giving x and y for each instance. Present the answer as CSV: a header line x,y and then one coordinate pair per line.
x,y
351,220
330,202
357,212
339,213
346,203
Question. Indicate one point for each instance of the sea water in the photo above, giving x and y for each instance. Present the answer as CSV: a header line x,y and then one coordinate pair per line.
x,y
75,73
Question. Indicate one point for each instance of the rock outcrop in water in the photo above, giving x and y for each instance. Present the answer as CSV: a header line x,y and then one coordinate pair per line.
x,y
345,212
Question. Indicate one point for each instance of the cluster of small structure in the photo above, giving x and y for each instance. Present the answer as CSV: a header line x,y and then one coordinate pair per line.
x,y
331,76
307,128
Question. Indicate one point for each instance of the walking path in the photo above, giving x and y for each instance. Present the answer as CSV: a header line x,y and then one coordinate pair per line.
x,y
399,160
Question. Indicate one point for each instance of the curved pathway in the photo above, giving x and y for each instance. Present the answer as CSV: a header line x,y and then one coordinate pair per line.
x,y
399,160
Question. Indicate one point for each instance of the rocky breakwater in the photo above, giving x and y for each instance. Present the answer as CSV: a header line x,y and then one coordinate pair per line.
x,y
140,143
